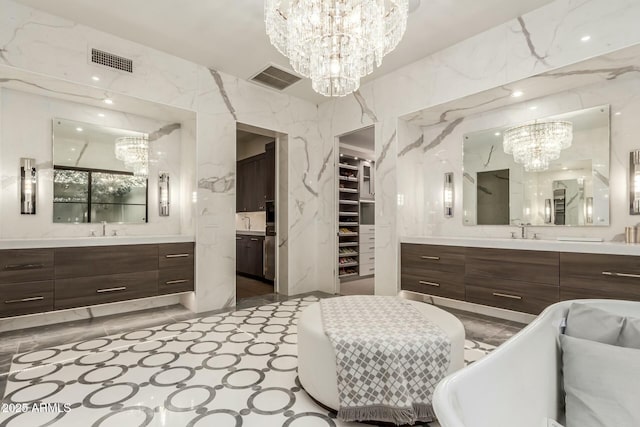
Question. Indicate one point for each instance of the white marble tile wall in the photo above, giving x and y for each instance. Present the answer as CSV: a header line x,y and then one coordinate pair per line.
x,y
42,43
541,40
27,132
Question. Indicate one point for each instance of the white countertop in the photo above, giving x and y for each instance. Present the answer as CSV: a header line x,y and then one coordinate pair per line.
x,y
69,242
251,232
610,248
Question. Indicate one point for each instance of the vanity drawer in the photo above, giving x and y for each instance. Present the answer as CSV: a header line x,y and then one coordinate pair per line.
x,y
176,255
528,266
83,291
416,258
26,298
105,260
175,280
26,265
600,276
439,283
513,295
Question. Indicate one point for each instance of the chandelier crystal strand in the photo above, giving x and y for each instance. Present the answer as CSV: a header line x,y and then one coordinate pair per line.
x,y
134,152
335,42
535,145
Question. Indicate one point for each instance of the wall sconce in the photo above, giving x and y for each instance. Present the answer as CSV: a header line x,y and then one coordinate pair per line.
x,y
589,210
448,195
634,182
28,186
547,211
163,193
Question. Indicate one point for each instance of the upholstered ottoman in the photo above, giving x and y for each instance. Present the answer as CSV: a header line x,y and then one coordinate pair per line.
x,y
317,361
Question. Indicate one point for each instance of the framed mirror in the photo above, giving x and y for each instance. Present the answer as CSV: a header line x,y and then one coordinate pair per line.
x,y
554,171
94,183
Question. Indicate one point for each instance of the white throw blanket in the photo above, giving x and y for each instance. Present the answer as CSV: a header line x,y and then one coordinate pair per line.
x,y
389,358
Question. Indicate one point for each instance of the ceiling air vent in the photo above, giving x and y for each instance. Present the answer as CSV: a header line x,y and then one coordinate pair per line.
x,y
110,60
275,78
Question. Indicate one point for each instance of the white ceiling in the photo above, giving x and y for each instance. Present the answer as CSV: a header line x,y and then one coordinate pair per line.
x,y
230,35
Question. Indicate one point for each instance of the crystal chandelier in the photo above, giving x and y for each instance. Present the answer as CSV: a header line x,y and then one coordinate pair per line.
x,y
335,42
535,145
134,152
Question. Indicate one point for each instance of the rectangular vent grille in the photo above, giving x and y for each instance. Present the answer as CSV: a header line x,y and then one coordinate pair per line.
x,y
110,60
275,78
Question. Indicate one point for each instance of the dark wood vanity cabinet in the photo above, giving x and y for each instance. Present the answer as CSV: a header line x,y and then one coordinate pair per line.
x,y
520,280
434,270
40,280
26,281
599,276
176,268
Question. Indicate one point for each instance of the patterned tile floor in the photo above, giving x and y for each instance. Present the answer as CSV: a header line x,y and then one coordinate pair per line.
x,y
235,368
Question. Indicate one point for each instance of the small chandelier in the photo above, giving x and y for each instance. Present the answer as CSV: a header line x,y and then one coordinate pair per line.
x,y
134,152
535,145
335,42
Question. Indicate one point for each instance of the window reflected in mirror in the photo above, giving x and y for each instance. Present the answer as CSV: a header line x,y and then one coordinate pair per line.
x,y
91,184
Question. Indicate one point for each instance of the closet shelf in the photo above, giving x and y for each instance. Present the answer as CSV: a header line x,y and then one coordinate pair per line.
x,y
347,166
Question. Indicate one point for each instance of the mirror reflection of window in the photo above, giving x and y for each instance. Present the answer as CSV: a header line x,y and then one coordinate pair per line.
x,y
90,183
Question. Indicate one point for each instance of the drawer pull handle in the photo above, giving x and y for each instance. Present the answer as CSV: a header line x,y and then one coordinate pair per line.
x,y
372,247
424,282
118,289
498,294
175,282
15,301
23,266
238,238
253,239
609,273
432,258
177,256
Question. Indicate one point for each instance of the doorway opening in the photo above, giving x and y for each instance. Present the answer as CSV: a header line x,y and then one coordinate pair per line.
x,y
256,209
355,178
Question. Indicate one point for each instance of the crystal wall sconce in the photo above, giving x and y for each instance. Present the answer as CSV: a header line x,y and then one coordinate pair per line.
x,y
163,193
589,210
547,211
28,186
448,195
634,182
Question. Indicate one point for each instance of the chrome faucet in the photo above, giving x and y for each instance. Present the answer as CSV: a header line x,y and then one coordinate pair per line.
x,y
104,228
523,230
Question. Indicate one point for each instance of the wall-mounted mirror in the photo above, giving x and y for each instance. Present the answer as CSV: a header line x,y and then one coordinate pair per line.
x,y
507,185
91,182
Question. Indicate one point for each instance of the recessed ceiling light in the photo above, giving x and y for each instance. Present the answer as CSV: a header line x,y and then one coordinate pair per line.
x,y
100,114
79,129
585,38
517,93
95,78
108,101
497,134
355,158
619,113
533,107
565,168
73,149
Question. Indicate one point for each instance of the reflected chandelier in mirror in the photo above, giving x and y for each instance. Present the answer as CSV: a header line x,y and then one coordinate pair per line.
x,y
100,174
553,171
